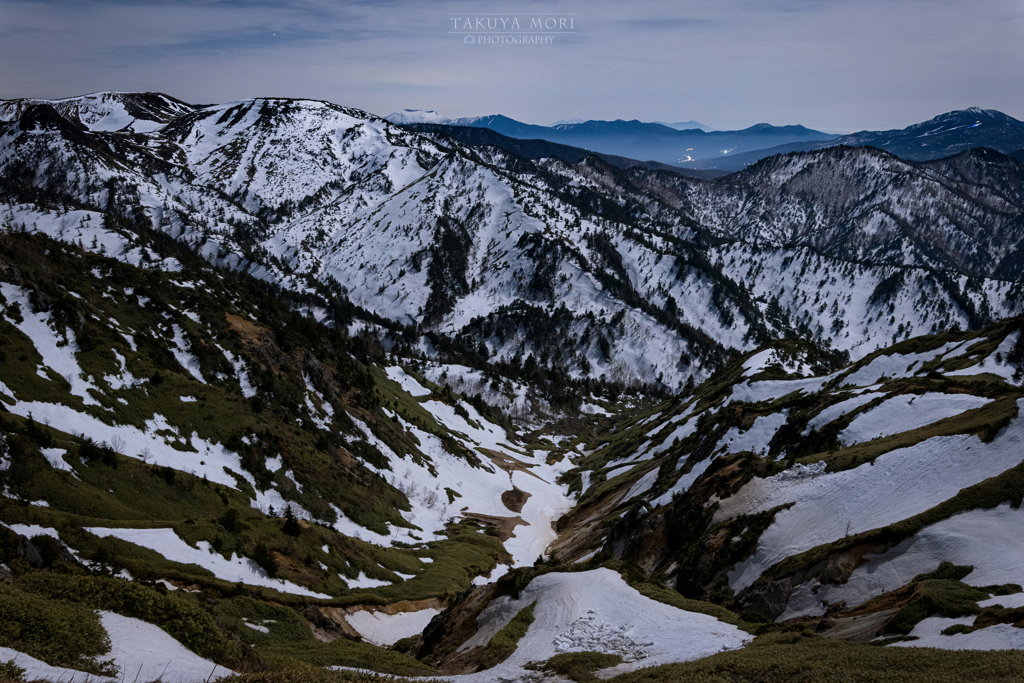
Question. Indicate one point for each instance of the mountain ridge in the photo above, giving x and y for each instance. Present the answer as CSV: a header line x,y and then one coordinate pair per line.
x,y
1005,134
286,386
392,236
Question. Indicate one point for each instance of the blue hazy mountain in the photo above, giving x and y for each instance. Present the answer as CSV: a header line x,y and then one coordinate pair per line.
x,y
654,141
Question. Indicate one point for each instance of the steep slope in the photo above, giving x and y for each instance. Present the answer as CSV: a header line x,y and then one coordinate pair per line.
x,y
255,364
837,242
234,485
792,494
599,274
189,428
865,205
306,192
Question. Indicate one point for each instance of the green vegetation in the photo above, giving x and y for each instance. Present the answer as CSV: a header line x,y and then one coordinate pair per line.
x,y
107,486
801,657
579,666
664,594
940,592
504,642
178,613
319,455
54,631
310,674
10,671
343,652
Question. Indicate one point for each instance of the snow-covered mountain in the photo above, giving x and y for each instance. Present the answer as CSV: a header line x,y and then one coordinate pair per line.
x,y
946,134
283,384
636,275
417,116
107,111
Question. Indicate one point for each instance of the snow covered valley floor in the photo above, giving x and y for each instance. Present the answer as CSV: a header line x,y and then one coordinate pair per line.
x,y
597,611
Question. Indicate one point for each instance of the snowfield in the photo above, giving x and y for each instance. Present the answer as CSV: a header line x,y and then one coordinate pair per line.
x,y
406,381
836,411
144,651
139,649
898,485
757,438
769,390
480,487
381,628
597,610
906,412
997,637
37,670
988,540
168,544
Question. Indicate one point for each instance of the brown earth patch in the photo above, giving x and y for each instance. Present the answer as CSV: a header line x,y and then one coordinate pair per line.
x,y
246,329
581,530
505,526
863,628
515,499
508,463
443,636
291,568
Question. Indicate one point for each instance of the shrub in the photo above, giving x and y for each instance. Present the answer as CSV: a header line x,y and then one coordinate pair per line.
x,y
580,666
11,671
180,615
504,642
57,633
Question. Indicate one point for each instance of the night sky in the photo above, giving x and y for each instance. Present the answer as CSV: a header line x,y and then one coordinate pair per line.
x,y
837,66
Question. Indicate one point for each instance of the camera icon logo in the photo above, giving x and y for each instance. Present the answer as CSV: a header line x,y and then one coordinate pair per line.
x,y
469,40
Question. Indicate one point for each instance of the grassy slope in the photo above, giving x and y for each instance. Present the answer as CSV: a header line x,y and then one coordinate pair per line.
x,y
801,656
106,489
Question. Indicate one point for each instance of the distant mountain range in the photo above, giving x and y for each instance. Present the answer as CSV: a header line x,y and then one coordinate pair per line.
x,y
693,146
542,149
649,141
942,136
431,116
686,125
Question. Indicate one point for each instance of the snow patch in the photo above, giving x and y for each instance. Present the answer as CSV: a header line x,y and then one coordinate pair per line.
x,y
167,543
906,412
574,610
381,628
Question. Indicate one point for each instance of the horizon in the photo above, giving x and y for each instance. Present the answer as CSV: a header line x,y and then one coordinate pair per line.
x,y
711,128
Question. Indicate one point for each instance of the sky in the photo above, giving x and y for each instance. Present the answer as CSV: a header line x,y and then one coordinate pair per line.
x,y
833,65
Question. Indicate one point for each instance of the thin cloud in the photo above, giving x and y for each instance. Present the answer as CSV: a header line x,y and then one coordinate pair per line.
x,y
837,64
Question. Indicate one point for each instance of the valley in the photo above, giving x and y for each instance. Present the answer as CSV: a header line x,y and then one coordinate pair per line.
x,y
287,389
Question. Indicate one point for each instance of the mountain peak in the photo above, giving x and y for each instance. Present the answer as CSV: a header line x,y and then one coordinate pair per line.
x,y
107,111
971,115
417,116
